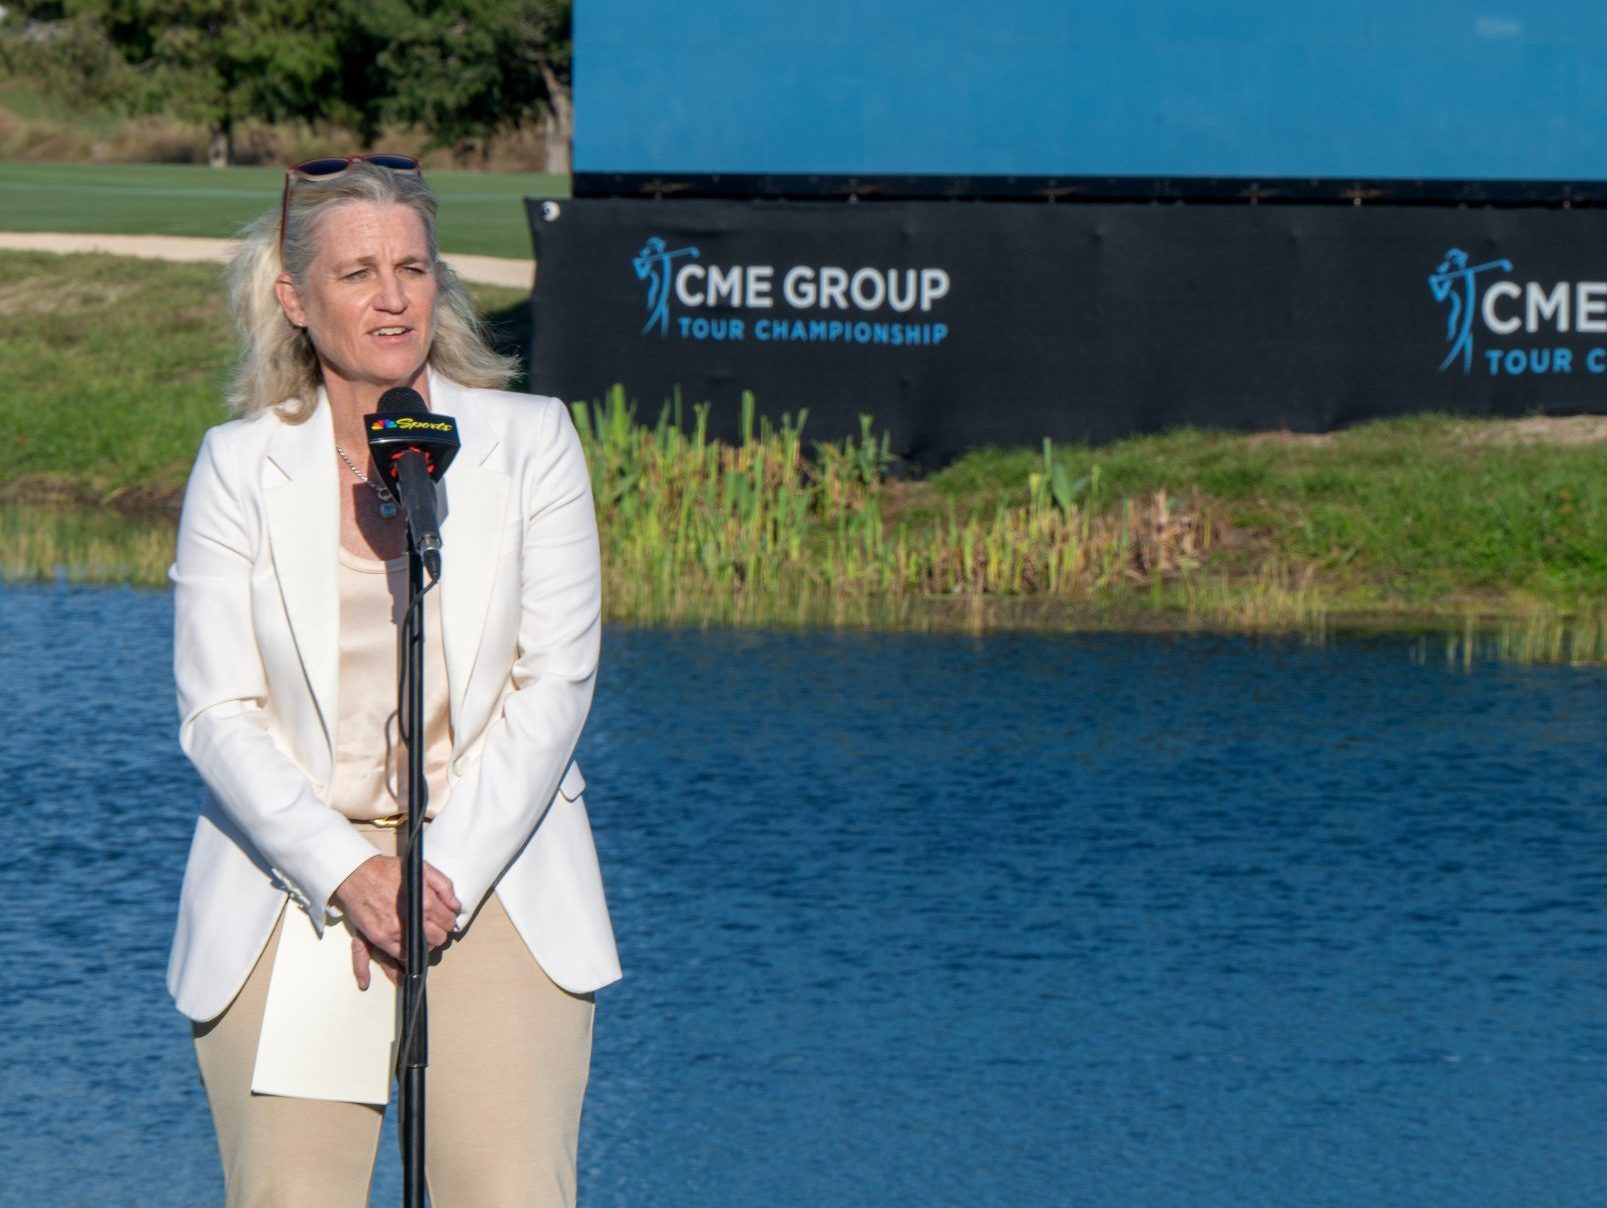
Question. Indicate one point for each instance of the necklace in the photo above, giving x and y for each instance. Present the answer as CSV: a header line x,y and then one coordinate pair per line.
x,y
387,502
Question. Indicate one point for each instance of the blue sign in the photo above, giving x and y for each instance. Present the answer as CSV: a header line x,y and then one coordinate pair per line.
x,y
1376,89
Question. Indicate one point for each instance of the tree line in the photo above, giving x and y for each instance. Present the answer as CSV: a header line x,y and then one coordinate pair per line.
x,y
459,69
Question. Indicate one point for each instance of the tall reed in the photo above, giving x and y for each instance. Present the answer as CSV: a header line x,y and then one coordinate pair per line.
x,y
83,545
764,531
1540,635
774,529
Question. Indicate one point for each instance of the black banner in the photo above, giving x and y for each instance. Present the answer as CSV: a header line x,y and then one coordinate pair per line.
x,y
963,324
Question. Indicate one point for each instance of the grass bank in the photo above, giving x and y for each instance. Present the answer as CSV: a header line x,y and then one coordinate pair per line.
x,y
114,367
1473,530
1479,532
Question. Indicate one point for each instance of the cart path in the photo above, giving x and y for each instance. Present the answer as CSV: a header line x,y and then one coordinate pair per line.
x,y
482,270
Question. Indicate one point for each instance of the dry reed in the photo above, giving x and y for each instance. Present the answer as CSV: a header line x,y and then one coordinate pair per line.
x,y
773,531
763,531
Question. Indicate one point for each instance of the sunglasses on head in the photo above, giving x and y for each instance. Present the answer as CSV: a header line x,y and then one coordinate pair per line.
x,y
328,167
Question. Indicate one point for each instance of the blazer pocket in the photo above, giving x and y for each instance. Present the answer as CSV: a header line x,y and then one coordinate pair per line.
x,y
512,539
573,784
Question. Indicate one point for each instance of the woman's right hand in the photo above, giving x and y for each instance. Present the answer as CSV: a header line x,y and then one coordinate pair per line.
x,y
371,899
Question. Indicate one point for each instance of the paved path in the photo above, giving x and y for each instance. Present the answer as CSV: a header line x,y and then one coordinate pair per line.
x,y
483,270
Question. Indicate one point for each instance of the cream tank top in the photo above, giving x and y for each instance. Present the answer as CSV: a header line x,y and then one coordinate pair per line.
x,y
370,758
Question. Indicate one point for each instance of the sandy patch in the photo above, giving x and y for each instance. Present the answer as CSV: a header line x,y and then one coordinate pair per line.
x,y
482,270
1531,430
1540,430
1289,440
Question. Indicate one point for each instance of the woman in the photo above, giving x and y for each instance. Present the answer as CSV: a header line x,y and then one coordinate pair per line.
x,y
289,579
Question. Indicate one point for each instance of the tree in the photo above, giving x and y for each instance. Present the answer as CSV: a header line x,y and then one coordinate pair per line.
x,y
220,61
462,69
64,53
212,61
472,69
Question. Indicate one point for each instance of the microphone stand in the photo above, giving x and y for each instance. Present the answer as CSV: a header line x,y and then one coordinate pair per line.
x,y
415,446
413,1052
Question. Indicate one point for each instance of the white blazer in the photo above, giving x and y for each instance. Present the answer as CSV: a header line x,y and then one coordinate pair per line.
x,y
256,659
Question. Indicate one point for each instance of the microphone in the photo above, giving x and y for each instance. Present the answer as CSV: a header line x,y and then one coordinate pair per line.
x,y
412,447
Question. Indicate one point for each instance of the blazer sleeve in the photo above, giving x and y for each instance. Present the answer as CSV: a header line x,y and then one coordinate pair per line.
x,y
503,794
222,690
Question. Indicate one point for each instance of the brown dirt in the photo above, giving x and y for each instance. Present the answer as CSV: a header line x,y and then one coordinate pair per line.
x,y
1288,440
1561,430
899,495
49,490
1531,430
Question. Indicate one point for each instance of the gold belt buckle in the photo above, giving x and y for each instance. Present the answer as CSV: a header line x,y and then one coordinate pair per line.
x,y
389,822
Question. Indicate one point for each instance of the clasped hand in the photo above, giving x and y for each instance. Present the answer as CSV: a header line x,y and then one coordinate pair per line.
x,y
371,898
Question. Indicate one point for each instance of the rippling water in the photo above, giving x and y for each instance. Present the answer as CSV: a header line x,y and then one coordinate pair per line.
x,y
930,921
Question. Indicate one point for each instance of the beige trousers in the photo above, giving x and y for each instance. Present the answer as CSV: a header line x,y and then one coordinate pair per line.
x,y
509,1052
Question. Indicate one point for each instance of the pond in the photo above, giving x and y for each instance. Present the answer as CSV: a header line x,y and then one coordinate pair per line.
x,y
1092,920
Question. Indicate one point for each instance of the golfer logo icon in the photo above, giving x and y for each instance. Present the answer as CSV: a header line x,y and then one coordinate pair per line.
x,y
653,264
1453,283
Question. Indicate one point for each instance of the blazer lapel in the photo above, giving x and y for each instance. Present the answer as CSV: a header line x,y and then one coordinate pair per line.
x,y
300,495
474,498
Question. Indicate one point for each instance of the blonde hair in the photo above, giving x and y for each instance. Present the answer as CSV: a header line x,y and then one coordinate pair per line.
x,y
278,364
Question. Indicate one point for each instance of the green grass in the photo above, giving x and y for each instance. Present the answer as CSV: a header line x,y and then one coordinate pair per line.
x,y
113,368
33,104
482,213
1409,512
